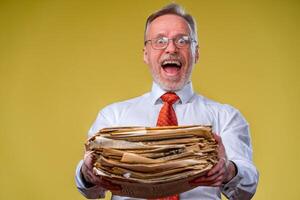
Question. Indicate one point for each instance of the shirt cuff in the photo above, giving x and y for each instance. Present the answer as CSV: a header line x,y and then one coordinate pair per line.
x,y
243,185
228,188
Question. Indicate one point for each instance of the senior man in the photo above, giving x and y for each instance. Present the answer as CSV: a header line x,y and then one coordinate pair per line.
x,y
171,51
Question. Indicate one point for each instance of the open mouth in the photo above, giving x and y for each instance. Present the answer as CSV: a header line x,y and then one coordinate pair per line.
x,y
171,67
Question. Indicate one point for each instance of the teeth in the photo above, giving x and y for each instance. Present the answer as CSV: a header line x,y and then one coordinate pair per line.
x,y
171,62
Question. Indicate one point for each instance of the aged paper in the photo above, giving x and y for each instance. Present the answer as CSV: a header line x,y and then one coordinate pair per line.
x,y
153,162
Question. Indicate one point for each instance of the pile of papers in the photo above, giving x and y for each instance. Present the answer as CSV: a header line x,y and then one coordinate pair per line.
x,y
153,162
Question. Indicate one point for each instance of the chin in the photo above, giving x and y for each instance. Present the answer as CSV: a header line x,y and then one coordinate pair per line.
x,y
171,86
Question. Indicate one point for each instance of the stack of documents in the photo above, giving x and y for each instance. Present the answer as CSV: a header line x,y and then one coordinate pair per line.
x,y
153,162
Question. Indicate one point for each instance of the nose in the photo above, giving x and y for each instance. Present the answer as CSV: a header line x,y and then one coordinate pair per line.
x,y
171,48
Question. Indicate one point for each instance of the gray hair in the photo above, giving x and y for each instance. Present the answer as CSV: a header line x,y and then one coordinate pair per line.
x,y
175,9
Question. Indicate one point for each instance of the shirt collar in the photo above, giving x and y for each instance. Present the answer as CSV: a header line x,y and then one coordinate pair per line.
x,y
185,94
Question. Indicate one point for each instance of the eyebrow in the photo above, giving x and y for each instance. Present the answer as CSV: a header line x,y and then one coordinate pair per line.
x,y
160,35
176,36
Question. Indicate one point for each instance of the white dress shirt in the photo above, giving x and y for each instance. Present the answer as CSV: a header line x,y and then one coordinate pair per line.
x,y
190,109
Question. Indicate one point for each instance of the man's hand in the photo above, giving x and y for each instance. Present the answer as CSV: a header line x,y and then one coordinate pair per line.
x,y
221,173
92,179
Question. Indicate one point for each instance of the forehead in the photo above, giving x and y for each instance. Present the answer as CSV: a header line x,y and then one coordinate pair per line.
x,y
168,25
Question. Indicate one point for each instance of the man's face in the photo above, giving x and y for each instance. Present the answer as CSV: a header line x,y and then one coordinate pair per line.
x,y
171,67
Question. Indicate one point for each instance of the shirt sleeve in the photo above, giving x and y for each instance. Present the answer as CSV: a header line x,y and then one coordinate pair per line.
x,y
85,189
237,142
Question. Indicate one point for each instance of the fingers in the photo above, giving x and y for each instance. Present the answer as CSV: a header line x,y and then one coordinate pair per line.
x,y
87,168
214,177
212,180
215,180
220,165
89,176
217,138
89,159
217,175
87,154
221,148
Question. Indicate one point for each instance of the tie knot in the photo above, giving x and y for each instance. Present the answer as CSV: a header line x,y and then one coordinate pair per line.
x,y
169,97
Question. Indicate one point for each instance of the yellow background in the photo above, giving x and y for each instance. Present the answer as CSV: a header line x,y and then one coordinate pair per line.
x,y
61,61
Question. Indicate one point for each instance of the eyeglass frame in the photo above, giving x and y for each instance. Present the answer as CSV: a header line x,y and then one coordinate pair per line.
x,y
190,41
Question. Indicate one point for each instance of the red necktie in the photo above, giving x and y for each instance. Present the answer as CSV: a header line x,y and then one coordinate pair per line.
x,y
167,117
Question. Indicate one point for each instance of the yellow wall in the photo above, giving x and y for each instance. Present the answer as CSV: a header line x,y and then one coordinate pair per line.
x,y
61,61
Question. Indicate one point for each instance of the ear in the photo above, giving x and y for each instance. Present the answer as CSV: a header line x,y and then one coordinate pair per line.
x,y
196,54
145,53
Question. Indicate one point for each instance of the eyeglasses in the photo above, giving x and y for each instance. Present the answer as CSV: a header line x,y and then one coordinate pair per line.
x,y
180,42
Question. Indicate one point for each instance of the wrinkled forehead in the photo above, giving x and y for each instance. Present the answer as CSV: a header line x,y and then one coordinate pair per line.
x,y
168,25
